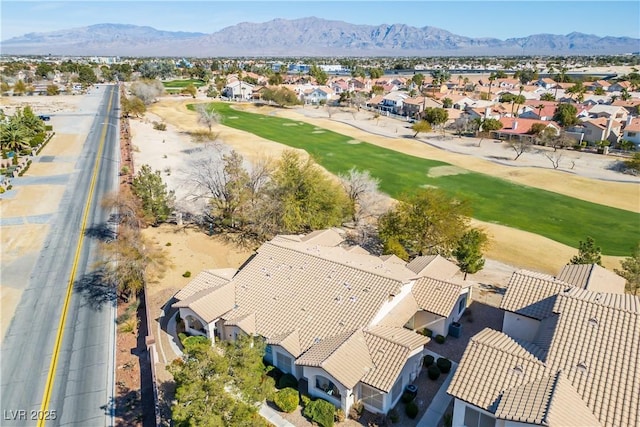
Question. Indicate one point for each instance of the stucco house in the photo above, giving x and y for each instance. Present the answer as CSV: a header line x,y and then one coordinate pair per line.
x,y
238,90
339,319
632,130
568,355
318,95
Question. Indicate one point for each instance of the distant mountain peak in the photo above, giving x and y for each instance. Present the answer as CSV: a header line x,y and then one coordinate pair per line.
x,y
307,36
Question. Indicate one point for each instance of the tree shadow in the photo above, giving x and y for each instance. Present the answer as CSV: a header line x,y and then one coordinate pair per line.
x,y
166,394
126,406
102,232
492,288
96,289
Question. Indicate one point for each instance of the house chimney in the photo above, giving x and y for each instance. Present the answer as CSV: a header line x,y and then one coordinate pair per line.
x,y
609,126
514,125
487,112
629,119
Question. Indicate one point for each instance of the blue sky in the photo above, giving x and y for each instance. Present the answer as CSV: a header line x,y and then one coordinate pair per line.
x,y
473,18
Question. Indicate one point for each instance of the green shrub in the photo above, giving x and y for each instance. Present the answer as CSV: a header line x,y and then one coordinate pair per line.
x,y
433,372
427,361
320,411
407,397
428,332
394,416
168,244
287,399
196,341
305,400
274,373
339,416
440,339
411,410
186,274
182,336
287,380
159,126
48,128
443,364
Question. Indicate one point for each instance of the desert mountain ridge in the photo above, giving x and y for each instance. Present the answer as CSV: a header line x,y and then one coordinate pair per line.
x,y
304,37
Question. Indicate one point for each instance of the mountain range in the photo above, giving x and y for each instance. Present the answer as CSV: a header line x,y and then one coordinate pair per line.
x,y
304,37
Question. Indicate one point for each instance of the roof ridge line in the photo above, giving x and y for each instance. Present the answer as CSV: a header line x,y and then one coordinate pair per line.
x,y
341,344
497,347
600,303
556,380
386,339
341,263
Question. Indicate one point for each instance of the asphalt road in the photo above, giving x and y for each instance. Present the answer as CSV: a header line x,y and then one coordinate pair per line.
x,y
82,387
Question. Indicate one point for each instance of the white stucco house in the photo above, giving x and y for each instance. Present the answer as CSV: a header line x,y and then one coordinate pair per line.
x,y
566,345
342,321
238,90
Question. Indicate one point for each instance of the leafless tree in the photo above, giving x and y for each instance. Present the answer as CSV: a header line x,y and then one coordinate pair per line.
x,y
520,146
554,157
207,116
147,90
362,190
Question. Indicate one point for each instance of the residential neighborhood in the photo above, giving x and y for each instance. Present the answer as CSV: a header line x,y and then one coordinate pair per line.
x,y
299,221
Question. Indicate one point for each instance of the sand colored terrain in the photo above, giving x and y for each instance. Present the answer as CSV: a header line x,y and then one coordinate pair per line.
x,y
10,298
47,197
18,240
48,169
511,246
63,145
191,250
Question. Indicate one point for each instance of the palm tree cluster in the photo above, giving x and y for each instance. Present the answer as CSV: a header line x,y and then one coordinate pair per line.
x,y
21,132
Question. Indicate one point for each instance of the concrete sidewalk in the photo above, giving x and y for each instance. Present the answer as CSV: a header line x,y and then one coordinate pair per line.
x,y
441,401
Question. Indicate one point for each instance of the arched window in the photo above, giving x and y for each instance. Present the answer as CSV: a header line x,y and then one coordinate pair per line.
x,y
326,386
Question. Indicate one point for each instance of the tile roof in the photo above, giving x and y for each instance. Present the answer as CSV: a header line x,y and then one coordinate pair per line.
x,y
345,357
522,126
592,277
401,336
436,296
433,266
545,402
532,294
595,344
206,279
389,357
289,340
400,314
317,290
210,304
634,126
493,362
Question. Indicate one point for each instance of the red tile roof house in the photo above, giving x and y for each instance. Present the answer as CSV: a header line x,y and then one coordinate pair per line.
x,y
632,131
568,355
532,109
600,129
518,128
338,318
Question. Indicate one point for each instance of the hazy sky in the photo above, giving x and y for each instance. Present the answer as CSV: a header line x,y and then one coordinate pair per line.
x,y
473,18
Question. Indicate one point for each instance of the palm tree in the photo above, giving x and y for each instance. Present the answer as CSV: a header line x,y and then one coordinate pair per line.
x,y
625,95
14,137
540,107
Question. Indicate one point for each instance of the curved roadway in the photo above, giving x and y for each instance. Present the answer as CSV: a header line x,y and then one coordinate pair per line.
x,y
65,376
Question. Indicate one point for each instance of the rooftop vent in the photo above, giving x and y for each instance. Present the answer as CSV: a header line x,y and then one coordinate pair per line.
x,y
353,298
593,322
518,370
582,367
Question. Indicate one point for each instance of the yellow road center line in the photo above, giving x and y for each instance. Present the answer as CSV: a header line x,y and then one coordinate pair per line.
x,y
44,408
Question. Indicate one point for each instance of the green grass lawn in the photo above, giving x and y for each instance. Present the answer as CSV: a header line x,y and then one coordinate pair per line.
x,y
561,218
180,84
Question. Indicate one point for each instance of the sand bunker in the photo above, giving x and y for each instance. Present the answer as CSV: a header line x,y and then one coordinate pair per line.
x,y
318,131
438,171
354,141
290,124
